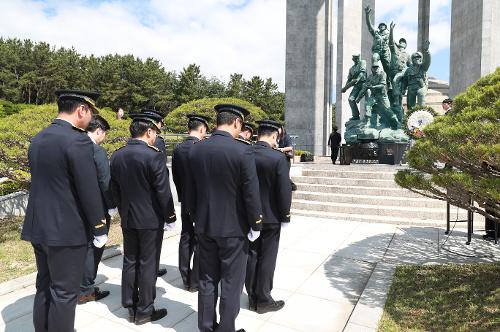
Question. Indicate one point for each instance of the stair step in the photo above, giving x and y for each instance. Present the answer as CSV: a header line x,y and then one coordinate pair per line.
x,y
349,174
373,210
359,190
374,219
375,200
345,181
352,167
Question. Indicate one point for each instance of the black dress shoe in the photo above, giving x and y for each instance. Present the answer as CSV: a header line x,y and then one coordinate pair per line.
x,y
131,315
240,330
156,315
96,295
268,307
161,272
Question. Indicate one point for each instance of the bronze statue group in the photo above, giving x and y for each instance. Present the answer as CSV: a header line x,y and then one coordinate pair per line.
x,y
235,197
394,73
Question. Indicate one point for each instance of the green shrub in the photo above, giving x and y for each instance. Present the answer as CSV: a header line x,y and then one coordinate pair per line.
x,y
17,130
176,120
7,108
467,140
300,152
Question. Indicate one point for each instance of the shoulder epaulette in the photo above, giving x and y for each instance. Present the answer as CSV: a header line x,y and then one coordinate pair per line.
x,y
154,148
79,129
243,141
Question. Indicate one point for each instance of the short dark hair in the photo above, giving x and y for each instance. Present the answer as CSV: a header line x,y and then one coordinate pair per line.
x,y
138,128
98,122
195,124
266,131
68,106
448,101
226,118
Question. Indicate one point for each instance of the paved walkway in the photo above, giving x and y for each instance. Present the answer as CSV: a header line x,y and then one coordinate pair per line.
x,y
333,276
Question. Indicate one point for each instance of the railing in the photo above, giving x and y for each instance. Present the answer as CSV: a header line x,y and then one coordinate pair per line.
x,y
172,140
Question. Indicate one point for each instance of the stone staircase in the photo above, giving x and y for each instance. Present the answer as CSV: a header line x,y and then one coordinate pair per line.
x,y
363,193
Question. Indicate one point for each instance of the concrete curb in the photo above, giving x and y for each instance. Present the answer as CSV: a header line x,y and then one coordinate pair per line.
x,y
368,311
30,279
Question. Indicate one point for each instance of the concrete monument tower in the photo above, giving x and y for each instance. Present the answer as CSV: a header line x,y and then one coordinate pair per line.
x,y
308,72
474,42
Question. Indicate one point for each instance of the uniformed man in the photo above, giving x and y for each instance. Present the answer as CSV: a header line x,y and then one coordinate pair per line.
x,y
334,143
97,130
224,203
160,144
64,209
140,187
247,132
197,128
446,105
276,199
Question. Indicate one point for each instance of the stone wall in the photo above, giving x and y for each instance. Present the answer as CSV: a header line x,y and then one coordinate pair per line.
x,y
13,205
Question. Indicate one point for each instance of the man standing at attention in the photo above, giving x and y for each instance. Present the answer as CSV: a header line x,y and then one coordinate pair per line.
x,y
224,203
276,199
96,130
64,210
140,187
159,144
197,127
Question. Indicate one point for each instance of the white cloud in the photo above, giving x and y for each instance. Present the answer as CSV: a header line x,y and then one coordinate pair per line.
x,y
223,36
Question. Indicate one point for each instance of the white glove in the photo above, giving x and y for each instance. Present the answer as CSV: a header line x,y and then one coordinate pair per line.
x,y
169,227
253,235
113,212
284,225
100,241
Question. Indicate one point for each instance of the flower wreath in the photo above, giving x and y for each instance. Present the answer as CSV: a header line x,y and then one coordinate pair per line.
x,y
416,119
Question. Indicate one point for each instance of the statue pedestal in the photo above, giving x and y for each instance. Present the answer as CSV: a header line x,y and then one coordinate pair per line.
x,y
391,153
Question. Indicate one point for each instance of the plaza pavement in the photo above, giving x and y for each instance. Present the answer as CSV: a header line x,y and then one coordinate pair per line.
x,y
333,275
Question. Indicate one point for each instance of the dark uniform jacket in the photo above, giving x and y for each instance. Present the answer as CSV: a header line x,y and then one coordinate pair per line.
x,y
180,165
103,176
274,183
334,139
140,186
223,197
64,206
160,144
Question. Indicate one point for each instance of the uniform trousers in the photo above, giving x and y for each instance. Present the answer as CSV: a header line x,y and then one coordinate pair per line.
x,y
335,153
188,248
140,268
94,256
262,256
159,242
58,279
221,260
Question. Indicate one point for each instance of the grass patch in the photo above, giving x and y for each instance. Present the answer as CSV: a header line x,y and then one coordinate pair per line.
x,y
16,256
443,298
